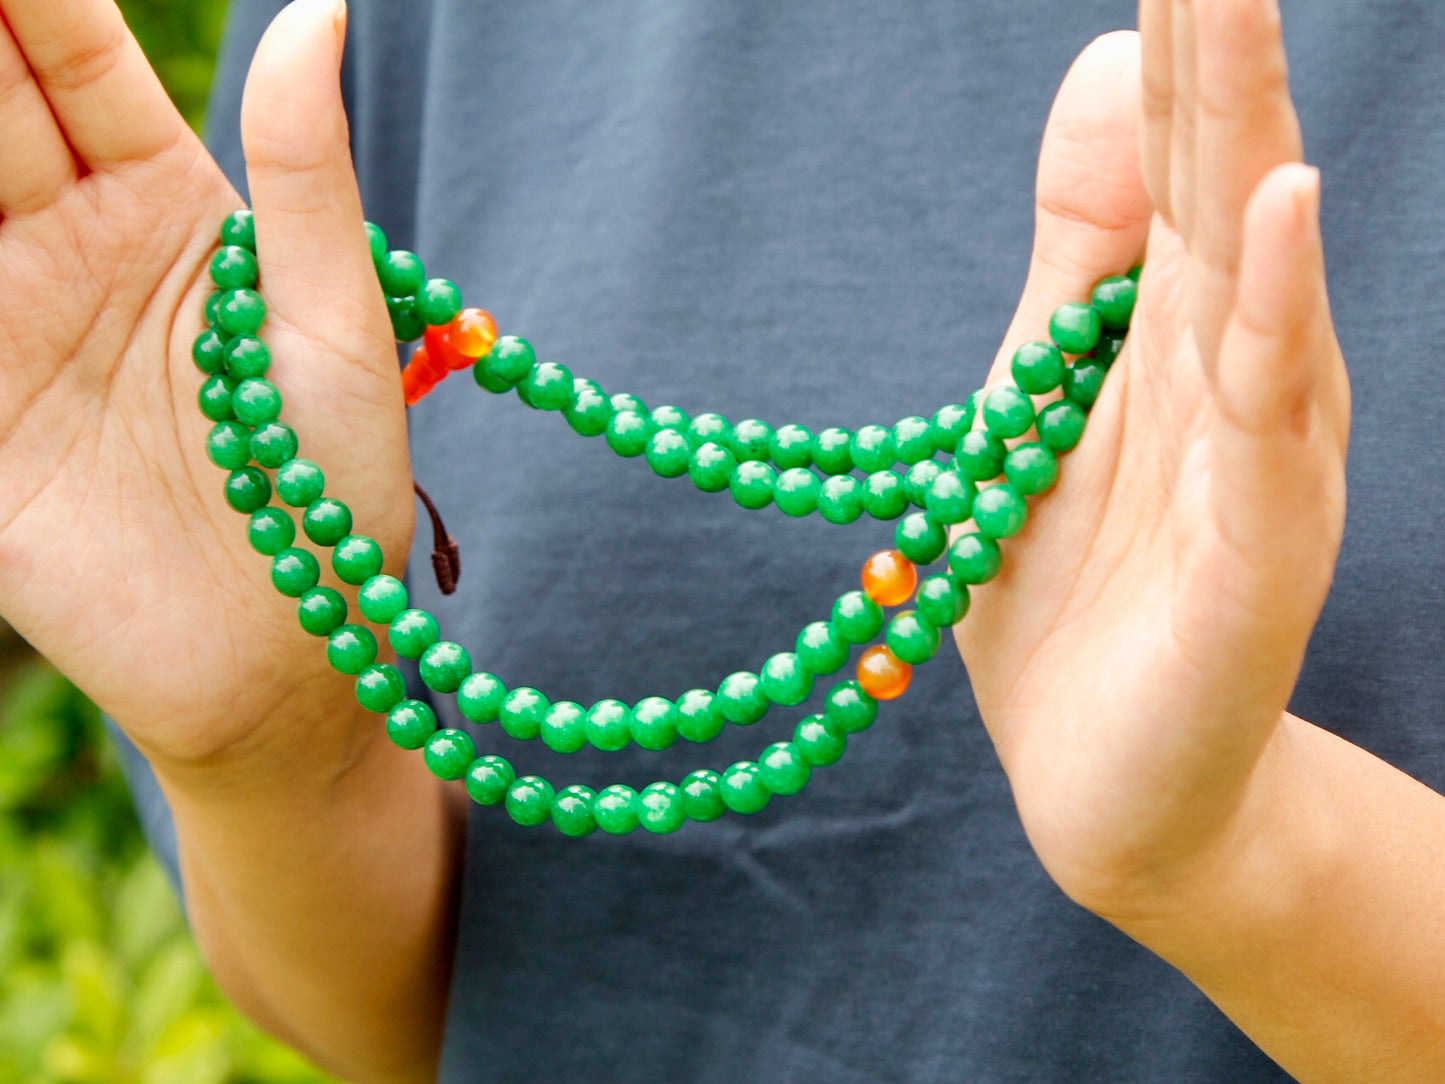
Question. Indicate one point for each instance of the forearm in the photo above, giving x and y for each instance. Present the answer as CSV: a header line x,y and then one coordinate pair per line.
x,y
322,893
1324,940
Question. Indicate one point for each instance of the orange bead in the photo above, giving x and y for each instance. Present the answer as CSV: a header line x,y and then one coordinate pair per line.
x,y
472,332
889,578
441,352
883,675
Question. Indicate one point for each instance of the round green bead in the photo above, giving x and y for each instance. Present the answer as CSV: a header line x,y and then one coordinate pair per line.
x,y
564,727
712,467
247,489
1136,271
444,666
702,796
785,680
1007,412
980,455
741,699
654,723
214,398
523,710
668,453
480,697
1108,350
239,228
256,402
710,428
614,809
1000,511
247,357
913,440
449,753
950,423
625,401
382,599
1075,326
529,801
1113,299
321,611
783,769
949,500
233,267
271,531
792,447
209,352
241,312
488,778
911,638
1031,468
752,440
487,382
590,410
213,311
228,445
699,717
884,496
660,809
921,538
856,617
941,602
753,485
796,491
849,709
380,687
607,725
872,448
294,572
820,649
819,744
350,649
273,444
406,324
572,811
401,273
327,521
299,482
670,417
547,386
742,788
918,478
974,558
833,450
1060,426
627,433
356,559
375,240
511,358
1037,367
840,499
438,301
1083,382
411,632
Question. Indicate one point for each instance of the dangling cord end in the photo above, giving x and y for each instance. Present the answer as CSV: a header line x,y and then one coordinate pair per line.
x,y
446,558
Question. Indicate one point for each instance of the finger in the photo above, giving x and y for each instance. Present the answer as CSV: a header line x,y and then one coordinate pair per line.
x,y
1247,127
101,88
37,165
1183,121
1157,45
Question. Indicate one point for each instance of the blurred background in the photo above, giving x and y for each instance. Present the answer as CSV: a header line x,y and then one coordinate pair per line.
x,y
100,982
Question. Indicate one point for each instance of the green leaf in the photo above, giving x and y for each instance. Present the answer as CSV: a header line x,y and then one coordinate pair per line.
x,y
145,913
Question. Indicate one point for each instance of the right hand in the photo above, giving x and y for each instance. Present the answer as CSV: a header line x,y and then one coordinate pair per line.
x,y
119,558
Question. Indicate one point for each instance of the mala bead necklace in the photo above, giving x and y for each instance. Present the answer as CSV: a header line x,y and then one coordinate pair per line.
x,y
789,466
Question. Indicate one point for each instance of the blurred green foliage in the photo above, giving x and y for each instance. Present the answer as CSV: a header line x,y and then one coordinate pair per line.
x,y
181,38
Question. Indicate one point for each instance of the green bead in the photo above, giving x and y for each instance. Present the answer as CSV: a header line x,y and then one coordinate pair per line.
x,y
327,521
213,311
833,450
856,617
660,809
406,324
376,241
1007,412
1000,511
819,744
322,611
271,531
228,445
668,453
488,778
444,666
480,697
752,440
356,559
796,492
350,649
400,272
911,638
247,358
273,444
294,572
913,440
654,723
1108,350
589,411
974,558
1082,383
209,352
241,312
710,428
1060,426
741,699
625,400
792,446
1136,271
239,229
921,538
884,496
529,801
872,448
256,402
1113,299
820,649
511,358
547,386
950,423
753,485
1031,468
247,489
840,499
849,709
699,716
1075,327
410,724
670,417
449,753
712,467
607,725
572,811
783,769
742,788
949,500
380,687
1037,367
614,810
523,710
941,602
382,599
785,680
233,267
627,433
299,482
918,478
980,455
214,398
411,632
438,301
564,727
702,796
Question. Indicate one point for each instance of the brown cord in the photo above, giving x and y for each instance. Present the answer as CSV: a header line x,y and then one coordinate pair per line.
x,y
446,558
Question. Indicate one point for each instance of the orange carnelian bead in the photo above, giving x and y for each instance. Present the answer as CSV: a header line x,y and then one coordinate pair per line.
x,y
883,675
472,332
442,353
889,578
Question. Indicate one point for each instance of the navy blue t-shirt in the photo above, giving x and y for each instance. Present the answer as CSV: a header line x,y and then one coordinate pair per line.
x,y
821,213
